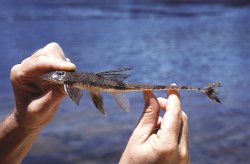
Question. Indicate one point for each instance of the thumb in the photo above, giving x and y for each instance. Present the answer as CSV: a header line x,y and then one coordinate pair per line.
x,y
149,116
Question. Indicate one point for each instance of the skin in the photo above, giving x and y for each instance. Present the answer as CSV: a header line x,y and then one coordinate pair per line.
x,y
37,103
169,144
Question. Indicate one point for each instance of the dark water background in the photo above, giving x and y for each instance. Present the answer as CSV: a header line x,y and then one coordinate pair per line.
x,y
186,44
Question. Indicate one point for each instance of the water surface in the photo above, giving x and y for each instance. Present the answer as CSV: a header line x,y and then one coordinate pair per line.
x,y
185,44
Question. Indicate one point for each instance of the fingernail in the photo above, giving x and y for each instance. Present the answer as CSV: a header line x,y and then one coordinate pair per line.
x,y
67,59
68,65
173,84
69,62
173,91
145,96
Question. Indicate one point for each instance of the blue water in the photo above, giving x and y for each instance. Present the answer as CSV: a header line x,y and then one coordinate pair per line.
x,y
186,44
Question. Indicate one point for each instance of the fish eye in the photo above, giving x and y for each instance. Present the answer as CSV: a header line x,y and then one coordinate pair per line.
x,y
60,73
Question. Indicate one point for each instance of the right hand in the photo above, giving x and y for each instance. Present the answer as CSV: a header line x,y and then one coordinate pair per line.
x,y
36,101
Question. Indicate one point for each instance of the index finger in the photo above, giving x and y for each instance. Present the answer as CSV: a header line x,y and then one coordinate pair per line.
x,y
172,119
47,59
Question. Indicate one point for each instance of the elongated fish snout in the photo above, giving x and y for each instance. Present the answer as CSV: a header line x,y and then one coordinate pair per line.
x,y
54,77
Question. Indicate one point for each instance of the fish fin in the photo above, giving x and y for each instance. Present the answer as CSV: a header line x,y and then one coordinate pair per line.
x,y
122,101
97,100
75,94
211,91
116,74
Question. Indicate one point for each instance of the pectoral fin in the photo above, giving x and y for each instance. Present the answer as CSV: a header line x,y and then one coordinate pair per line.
x,y
75,94
122,101
97,100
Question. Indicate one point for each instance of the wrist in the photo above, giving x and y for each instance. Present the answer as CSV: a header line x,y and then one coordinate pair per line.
x,y
15,140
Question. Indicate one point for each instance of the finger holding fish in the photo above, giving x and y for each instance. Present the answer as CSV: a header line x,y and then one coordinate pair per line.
x,y
162,102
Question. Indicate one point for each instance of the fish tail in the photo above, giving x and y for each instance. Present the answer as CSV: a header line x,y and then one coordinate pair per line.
x,y
211,91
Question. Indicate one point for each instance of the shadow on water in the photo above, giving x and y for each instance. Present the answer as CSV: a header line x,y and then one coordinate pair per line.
x,y
186,44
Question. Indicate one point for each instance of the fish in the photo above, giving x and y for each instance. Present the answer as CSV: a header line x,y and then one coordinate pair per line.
x,y
112,81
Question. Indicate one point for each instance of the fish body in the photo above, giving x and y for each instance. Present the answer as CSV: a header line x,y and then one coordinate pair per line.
x,y
112,81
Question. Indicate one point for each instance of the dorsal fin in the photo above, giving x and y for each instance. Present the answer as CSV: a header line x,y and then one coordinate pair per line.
x,y
116,74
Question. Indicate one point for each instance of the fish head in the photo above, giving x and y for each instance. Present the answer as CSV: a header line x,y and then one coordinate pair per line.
x,y
58,77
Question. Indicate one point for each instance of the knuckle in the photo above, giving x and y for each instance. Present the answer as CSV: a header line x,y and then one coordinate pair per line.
x,y
15,72
53,49
14,69
184,156
53,45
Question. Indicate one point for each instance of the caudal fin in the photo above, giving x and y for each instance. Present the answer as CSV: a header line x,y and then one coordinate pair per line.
x,y
211,91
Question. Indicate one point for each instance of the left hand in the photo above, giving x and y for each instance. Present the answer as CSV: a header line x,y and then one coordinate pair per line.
x,y
168,144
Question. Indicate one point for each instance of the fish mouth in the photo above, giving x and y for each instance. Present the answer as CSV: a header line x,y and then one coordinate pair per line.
x,y
49,80
46,76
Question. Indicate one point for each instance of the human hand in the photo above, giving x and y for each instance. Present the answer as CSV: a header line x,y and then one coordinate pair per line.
x,y
36,101
168,144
